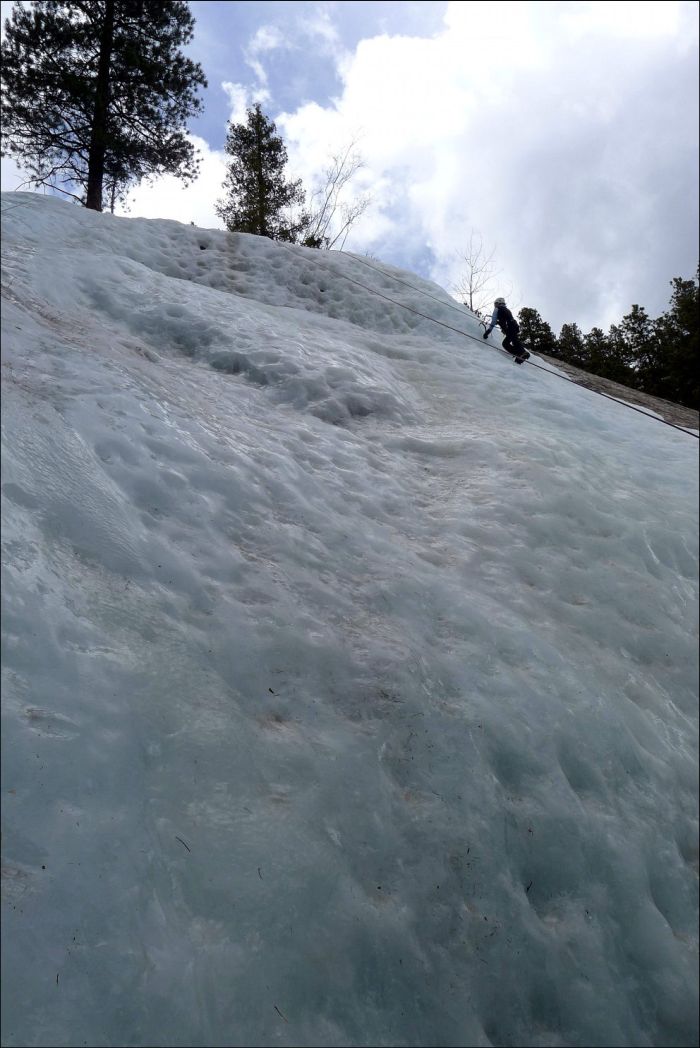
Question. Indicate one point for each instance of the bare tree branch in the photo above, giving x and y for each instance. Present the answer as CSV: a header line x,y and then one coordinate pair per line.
x,y
44,181
475,285
327,206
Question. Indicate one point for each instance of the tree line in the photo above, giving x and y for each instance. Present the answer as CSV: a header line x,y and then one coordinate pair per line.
x,y
658,356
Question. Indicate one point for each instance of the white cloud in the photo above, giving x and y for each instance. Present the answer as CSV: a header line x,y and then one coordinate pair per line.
x,y
12,175
169,198
267,38
241,98
647,18
318,26
564,132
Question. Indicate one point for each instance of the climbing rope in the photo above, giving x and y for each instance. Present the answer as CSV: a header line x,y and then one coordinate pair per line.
x,y
12,207
467,334
448,305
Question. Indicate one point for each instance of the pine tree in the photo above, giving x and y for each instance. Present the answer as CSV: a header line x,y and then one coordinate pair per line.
x,y
678,334
571,345
596,351
536,332
258,197
96,94
638,329
645,348
619,365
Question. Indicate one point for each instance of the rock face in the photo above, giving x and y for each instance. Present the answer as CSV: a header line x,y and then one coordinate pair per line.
x,y
676,413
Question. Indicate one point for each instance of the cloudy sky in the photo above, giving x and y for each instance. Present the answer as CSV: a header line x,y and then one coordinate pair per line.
x,y
564,134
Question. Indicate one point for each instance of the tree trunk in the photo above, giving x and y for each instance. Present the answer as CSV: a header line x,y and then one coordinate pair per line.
x,y
98,135
262,224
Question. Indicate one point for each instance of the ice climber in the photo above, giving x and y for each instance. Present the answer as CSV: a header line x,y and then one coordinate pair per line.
x,y
509,326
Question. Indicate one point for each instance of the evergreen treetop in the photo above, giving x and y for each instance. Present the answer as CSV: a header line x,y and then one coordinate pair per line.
x,y
536,332
96,94
259,199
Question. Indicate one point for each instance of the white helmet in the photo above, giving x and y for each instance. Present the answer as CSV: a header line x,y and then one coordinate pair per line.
x,y
500,302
